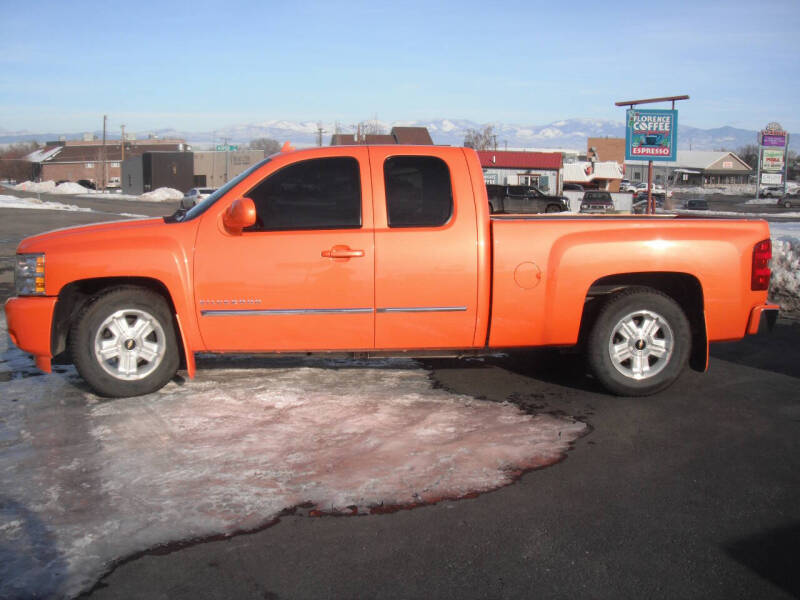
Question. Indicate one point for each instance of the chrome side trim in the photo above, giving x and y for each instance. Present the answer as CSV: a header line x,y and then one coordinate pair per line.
x,y
422,309
279,312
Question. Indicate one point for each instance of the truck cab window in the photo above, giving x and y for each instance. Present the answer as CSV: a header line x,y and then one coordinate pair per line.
x,y
418,191
322,193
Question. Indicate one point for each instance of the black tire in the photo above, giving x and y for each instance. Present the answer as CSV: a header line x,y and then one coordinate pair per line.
x,y
134,329
652,337
787,204
553,208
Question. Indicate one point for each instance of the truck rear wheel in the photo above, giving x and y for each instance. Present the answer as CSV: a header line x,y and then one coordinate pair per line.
x,y
124,344
640,342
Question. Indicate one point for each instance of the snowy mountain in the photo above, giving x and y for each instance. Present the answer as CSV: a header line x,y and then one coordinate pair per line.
x,y
564,134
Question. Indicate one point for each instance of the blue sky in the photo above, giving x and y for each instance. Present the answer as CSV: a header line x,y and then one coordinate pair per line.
x,y
201,65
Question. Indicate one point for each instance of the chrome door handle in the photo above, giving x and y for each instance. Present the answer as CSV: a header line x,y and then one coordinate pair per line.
x,y
342,252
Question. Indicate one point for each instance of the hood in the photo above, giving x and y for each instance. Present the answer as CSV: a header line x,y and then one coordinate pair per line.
x,y
74,236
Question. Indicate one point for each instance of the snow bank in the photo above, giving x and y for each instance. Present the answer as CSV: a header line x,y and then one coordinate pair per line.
x,y
770,201
784,286
70,187
87,482
34,203
708,191
162,195
40,187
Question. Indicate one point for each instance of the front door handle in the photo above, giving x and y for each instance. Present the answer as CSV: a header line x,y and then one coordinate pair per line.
x,y
342,252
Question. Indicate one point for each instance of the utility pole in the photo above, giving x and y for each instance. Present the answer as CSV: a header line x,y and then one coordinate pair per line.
x,y
103,153
227,156
320,131
122,144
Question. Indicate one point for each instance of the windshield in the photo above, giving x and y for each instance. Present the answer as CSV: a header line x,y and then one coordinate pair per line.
x,y
200,208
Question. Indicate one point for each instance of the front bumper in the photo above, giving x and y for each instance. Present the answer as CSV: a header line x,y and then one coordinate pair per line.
x,y
30,323
770,314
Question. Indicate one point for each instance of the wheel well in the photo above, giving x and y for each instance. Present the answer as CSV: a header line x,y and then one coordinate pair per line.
x,y
683,288
74,296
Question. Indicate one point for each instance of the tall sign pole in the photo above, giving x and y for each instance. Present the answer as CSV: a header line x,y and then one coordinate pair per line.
x,y
773,146
651,134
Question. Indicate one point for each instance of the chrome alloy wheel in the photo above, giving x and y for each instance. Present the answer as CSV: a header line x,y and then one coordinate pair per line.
x,y
130,344
641,344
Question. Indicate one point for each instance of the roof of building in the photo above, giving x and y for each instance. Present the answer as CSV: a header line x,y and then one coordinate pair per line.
x,y
92,153
376,138
343,139
584,171
412,135
500,159
696,159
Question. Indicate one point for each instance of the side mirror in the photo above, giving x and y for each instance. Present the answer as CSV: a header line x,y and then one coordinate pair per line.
x,y
240,214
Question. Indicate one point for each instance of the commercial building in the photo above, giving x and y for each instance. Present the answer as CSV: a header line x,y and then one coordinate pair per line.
x,y
418,136
592,175
214,169
694,168
153,170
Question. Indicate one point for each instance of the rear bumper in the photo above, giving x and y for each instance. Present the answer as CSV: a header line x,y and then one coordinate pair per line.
x,y
770,314
30,321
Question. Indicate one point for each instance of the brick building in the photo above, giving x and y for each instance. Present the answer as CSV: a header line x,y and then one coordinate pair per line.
x,y
91,160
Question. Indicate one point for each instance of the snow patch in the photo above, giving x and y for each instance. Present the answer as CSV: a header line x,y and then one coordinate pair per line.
x,y
35,203
229,451
39,187
69,187
163,194
784,286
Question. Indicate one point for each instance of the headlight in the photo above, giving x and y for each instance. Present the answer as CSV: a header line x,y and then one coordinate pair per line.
x,y
29,275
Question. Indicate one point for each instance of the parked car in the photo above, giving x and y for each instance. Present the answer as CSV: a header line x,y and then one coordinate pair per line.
x,y
195,195
642,187
314,251
696,204
595,201
572,187
639,206
660,196
523,199
772,191
87,183
625,185
788,201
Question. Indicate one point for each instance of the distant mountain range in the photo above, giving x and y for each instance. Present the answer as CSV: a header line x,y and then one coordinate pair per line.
x,y
569,134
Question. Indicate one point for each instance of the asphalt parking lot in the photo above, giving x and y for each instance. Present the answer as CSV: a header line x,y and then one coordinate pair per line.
x,y
694,492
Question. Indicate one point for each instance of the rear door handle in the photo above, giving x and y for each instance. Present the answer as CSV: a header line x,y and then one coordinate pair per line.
x,y
342,252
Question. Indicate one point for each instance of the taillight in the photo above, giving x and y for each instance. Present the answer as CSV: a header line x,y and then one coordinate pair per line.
x,y
762,252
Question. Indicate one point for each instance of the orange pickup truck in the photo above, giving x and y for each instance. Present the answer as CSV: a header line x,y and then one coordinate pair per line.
x,y
384,250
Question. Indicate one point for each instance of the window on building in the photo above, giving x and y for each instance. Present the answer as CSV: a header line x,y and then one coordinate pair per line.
x,y
418,191
90,165
528,179
115,165
322,193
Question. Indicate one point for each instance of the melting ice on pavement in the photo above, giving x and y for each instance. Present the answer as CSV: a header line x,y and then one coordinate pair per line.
x,y
85,482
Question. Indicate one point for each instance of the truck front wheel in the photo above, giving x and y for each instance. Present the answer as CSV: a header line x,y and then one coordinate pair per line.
x,y
124,344
640,342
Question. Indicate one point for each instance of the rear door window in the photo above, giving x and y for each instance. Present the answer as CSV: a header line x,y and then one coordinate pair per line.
x,y
418,191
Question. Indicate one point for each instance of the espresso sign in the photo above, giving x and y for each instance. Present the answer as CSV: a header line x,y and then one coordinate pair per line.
x,y
651,134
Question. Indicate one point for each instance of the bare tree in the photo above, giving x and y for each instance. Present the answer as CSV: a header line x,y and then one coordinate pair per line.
x,y
268,145
480,139
13,166
749,154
